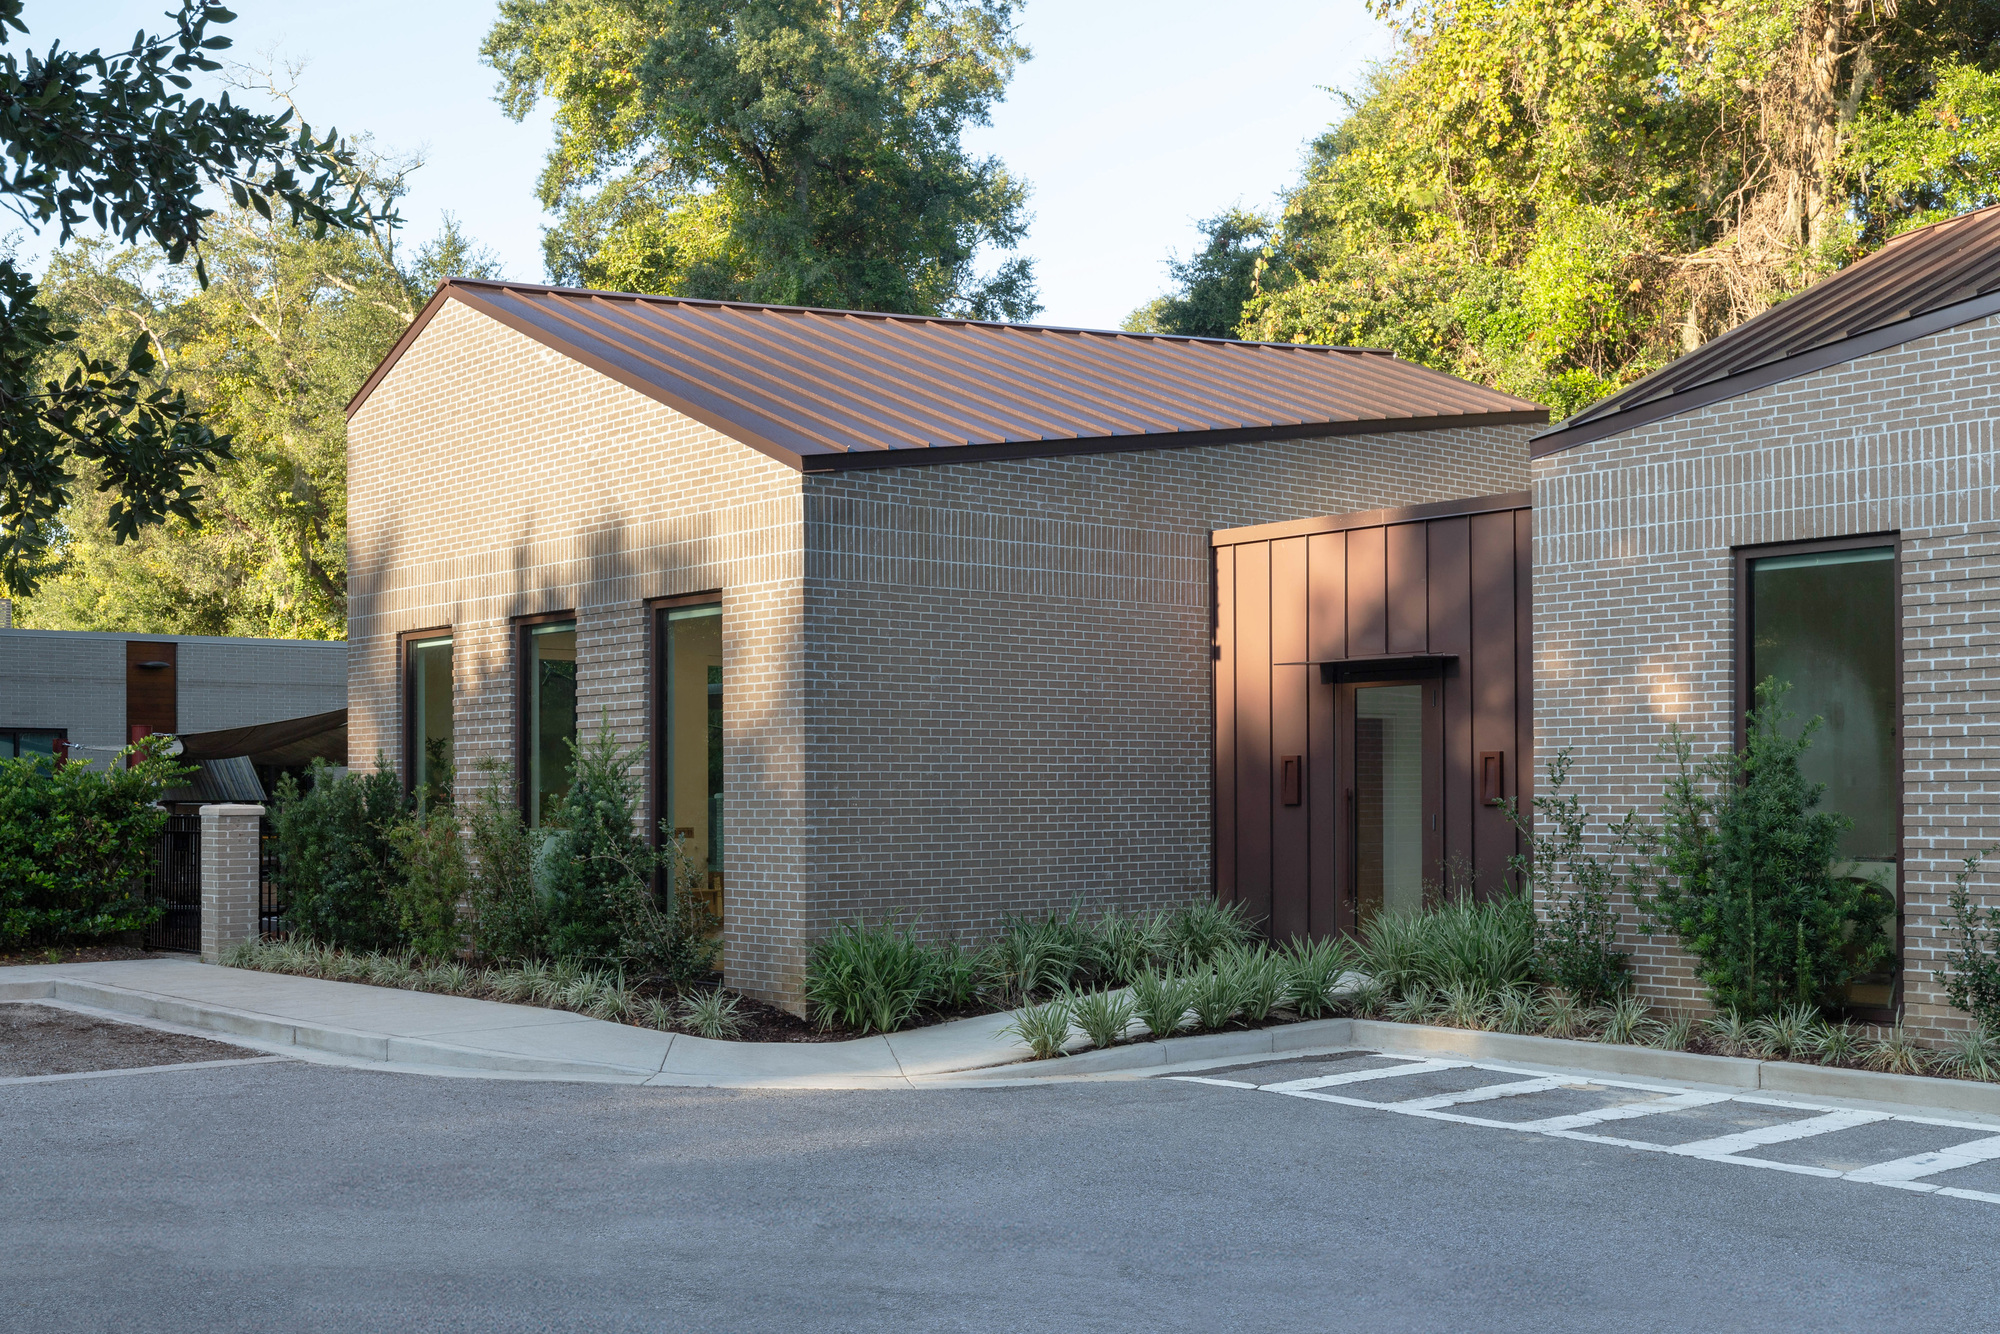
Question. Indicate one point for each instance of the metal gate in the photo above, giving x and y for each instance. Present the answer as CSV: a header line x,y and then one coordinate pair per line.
x,y
270,894
175,885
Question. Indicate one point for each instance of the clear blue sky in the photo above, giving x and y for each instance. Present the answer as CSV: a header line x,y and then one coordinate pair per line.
x,y
1134,119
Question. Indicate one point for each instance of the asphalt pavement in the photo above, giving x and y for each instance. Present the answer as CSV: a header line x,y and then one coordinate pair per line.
x,y
301,1197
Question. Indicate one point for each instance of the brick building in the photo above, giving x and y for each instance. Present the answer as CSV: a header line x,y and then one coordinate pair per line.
x,y
1810,496
911,616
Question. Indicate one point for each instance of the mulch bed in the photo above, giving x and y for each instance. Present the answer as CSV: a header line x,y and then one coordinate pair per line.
x,y
44,1040
84,954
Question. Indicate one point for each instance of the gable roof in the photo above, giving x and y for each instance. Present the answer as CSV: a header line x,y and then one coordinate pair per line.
x,y
1922,282
823,390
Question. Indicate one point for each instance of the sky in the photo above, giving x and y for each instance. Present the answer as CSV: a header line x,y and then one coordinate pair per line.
x,y
1134,120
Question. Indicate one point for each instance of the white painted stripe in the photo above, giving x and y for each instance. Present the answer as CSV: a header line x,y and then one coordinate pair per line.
x,y
1219,1083
1958,1193
1486,1094
1624,1111
143,1070
1363,1076
1723,1145
1919,1165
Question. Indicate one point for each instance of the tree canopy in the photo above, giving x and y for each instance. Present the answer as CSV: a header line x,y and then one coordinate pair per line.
x,y
1212,284
115,141
791,151
1556,198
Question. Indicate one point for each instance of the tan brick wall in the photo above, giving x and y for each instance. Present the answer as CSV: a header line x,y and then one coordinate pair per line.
x,y
985,690
1634,604
491,478
1009,666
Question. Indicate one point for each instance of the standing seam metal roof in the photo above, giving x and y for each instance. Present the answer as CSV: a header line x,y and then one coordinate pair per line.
x,y
827,389
1925,280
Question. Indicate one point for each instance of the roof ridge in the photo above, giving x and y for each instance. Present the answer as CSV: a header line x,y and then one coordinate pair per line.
x,y
508,284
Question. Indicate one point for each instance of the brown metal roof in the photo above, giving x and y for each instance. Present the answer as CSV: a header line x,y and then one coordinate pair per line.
x,y
1924,281
829,389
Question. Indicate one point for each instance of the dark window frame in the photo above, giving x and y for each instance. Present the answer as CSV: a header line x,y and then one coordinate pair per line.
x,y
519,630
656,685
406,672
1746,688
61,734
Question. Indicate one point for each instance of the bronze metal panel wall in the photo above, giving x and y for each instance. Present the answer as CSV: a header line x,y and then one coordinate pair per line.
x,y
1495,693
1225,724
152,688
1449,591
1326,564
1367,593
1253,728
1408,607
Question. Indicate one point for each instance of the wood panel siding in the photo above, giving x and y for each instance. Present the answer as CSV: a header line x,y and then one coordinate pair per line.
x,y
1445,593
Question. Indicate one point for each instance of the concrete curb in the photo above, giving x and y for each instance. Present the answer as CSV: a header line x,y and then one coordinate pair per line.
x,y
1741,1072
335,1041
1328,1033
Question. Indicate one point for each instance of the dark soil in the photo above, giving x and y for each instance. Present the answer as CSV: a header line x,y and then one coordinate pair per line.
x,y
43,1040
83,954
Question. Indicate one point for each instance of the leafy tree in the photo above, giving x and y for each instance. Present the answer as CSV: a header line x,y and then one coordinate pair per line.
x,y
76,844
116,141
1212,284
271,350
1557,198
1749,886
774,150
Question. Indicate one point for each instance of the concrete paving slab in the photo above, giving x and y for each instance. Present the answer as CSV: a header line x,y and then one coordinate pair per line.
x,y
962,1044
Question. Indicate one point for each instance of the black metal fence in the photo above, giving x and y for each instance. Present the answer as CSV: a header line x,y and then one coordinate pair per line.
x,y
270,896
175,884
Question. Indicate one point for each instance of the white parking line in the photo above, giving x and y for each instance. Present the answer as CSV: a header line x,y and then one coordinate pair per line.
x,y
1908,1173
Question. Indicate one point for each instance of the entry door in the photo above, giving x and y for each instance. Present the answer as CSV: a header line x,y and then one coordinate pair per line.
x,y
1391,760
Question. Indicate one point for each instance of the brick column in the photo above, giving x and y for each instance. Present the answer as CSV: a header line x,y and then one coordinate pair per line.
x,y
230,877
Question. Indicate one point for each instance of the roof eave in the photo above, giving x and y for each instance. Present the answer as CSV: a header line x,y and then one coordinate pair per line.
x,y
1561,436
1112,444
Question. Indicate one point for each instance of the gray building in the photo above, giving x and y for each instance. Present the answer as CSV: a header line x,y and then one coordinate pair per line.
x,y
96,693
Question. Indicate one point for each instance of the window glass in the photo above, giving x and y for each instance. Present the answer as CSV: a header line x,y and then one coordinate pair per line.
x,y
551,673
1826,623
430,718
13,745
692,708
1388,799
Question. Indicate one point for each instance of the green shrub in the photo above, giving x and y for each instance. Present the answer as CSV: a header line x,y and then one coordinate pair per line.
x,y
1312,967
1042,956
1258,976
953,977
709,1012
1102,1015
336,863
1627,1021
1972,1055
1217,997
1162,1001
1044,1027
869,979
1748,883
1971,973
594,866
432,878
507,917
77,843
1488,946
1577,933
1198,931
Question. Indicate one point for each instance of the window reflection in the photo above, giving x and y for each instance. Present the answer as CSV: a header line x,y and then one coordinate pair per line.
x,y
430,719
551,721
692,709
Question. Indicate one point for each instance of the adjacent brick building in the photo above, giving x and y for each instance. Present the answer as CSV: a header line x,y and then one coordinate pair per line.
x,y
962,662
1848,429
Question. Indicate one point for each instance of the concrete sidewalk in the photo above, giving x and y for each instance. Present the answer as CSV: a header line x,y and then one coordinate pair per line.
x,y
416,1030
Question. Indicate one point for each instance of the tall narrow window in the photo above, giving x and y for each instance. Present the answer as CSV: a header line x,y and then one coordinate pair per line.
x,y
549,662
429,688
691,744
1389,814
1825,621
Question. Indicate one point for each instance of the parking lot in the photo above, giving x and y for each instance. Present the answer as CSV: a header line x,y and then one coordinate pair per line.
x,y
1950,1158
